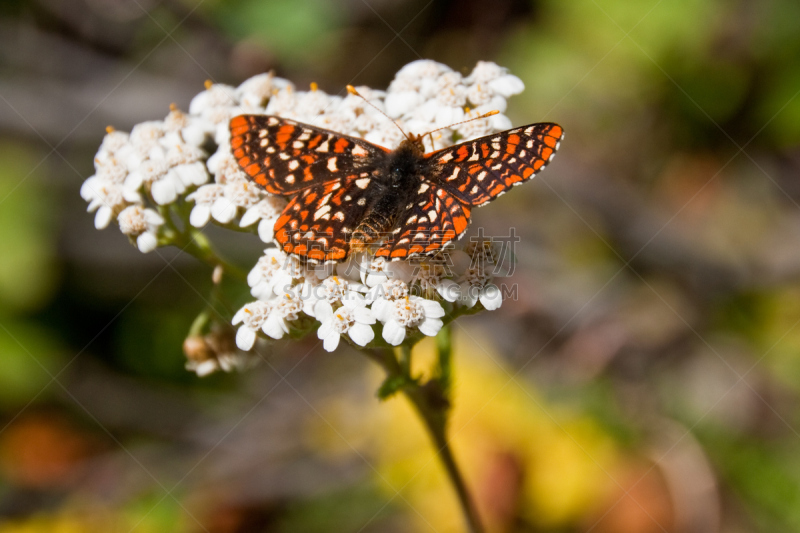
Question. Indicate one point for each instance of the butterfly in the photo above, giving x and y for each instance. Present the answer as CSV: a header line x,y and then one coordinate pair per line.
x,y
347,194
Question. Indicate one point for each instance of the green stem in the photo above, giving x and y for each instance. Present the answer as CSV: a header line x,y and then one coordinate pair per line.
x,y
430,401
405,359
444,347
199,324
195,243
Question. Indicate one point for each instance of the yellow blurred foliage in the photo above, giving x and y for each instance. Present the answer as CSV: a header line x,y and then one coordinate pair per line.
x,y
520,455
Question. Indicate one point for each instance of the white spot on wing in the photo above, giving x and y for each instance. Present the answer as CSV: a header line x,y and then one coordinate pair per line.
x,y
454,175
293,164
332,164
362,183
359,151
322,211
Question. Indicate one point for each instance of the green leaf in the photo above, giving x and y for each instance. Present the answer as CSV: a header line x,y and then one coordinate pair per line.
x,y
391,386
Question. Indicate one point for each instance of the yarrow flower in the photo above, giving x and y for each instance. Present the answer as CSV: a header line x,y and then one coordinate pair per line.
x,y
352,318
183,165
142,225
411,312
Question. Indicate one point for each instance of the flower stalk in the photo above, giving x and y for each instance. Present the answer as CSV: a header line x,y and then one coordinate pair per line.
x,y
431,401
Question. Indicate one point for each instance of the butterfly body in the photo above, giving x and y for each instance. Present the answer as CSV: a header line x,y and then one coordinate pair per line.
x,y
348,194
394,185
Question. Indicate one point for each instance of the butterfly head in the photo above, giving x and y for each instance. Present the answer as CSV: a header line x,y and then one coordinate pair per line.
x,y
405,159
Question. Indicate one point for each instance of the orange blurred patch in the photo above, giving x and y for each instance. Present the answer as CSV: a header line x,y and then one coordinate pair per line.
x,y
43,451
640,505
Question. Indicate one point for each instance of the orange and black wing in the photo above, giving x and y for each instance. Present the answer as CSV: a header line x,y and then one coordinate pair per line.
x,y
435,218
318,222
326,174
285,156
478,171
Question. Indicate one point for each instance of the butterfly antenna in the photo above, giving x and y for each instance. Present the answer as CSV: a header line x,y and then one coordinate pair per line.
x,y
352,90
489,114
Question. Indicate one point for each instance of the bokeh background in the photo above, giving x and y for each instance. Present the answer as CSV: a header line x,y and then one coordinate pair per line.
x,y
645,379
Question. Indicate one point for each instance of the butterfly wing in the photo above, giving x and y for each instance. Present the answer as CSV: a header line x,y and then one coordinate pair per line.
x,y
325,172
318,222
478,171
468,175
435,218
285,156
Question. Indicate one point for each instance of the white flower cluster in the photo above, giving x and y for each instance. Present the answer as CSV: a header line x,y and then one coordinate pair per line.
x,y
152,166
186,160
352,296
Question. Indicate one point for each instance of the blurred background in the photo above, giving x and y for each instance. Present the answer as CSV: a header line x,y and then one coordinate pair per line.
x,y
645,379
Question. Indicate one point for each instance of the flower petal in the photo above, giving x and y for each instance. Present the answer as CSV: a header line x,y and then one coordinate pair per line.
x,y
469,294
449,290
103,217
331,341
325,329
250,216
363,315
431,326
146,242
432,308
266,230
164,191
274,326
491,297
199,216
245,338
353,300
323,311
381,309
361,334
507,85
223,210
393,333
